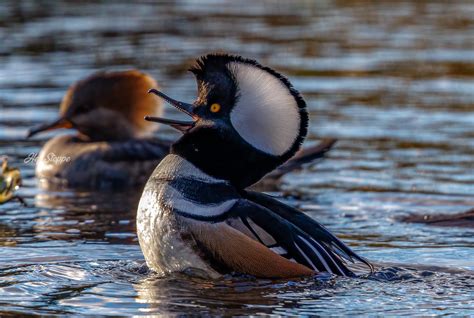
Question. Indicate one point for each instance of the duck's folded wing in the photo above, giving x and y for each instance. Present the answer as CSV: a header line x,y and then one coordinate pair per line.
x,y
230,249
292,234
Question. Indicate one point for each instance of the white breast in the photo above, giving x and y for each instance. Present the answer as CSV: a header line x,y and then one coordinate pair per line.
x,y
158,230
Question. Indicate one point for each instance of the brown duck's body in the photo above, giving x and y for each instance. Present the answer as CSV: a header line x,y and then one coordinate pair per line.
x,y
72,162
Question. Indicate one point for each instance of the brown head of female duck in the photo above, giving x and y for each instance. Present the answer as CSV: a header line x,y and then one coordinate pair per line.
x,y
113,146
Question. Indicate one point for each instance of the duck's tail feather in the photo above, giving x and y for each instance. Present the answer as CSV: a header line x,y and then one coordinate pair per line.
x,y
304,156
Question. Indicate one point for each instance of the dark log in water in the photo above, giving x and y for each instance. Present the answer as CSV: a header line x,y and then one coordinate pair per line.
x,y
465,219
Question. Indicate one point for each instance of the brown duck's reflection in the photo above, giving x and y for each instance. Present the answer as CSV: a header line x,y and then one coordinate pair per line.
x,y
463,219
104,216
8,235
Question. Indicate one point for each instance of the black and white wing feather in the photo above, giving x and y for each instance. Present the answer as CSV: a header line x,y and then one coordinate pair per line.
x,y
292,234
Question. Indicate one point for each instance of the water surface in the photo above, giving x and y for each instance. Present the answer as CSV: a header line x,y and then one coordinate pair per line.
x,y
392,80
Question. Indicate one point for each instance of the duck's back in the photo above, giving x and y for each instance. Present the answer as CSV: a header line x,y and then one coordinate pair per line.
x,y
69,161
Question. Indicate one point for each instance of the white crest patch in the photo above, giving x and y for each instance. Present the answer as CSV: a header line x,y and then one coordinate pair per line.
x,y
266,115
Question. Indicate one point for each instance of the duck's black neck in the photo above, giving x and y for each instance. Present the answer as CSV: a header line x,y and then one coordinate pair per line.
x,y
225,158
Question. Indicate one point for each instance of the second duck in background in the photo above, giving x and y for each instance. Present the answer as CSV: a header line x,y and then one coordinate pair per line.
x,y
112,147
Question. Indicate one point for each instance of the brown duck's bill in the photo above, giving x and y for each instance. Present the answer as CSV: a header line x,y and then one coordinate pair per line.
x,y
186,108
59,123
180,125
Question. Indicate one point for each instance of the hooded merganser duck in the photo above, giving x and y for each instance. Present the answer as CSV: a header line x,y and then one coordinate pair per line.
x,y
195,211
114,147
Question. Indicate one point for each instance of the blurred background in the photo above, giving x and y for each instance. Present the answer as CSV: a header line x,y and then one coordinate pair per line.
x,y
392,80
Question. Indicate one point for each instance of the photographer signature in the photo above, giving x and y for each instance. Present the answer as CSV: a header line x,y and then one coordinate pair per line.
x,y
50,157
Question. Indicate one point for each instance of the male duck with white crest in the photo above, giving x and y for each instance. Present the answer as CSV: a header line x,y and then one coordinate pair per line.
x,y
195,211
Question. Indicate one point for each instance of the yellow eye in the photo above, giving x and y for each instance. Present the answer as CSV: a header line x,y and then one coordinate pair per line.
x,y
215,108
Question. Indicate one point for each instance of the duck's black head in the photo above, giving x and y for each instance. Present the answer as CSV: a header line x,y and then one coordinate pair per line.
x,y
247,119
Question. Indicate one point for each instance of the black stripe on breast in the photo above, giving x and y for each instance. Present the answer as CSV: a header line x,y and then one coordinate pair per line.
x,y
203,192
